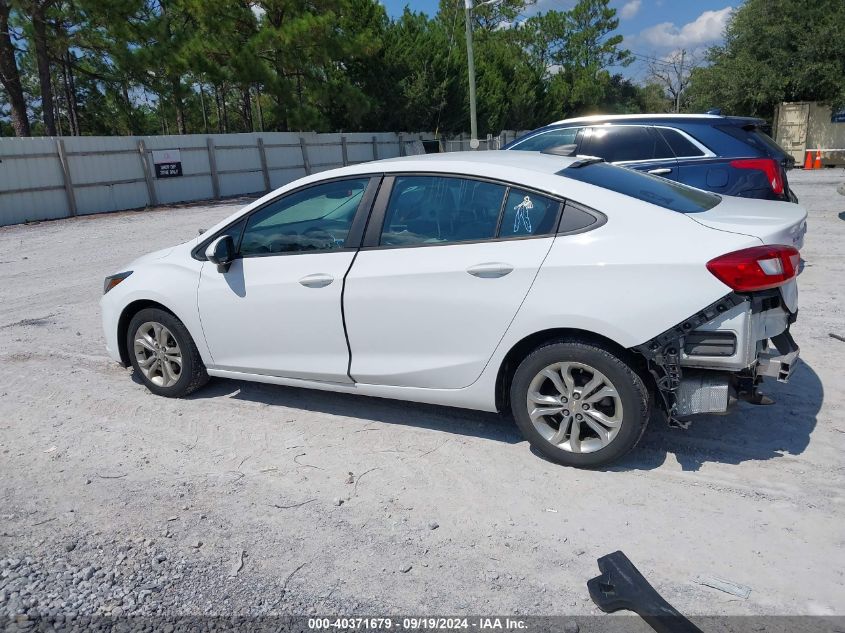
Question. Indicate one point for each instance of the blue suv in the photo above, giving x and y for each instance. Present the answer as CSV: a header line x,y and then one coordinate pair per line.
x,y
724,154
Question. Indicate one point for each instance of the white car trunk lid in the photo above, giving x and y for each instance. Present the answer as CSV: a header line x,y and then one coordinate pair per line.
x,y
771,221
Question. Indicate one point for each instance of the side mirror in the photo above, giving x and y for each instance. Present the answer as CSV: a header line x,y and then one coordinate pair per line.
x,y
221,252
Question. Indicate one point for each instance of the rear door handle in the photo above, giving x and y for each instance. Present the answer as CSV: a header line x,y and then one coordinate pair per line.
x,y
660,171
490,270
317,280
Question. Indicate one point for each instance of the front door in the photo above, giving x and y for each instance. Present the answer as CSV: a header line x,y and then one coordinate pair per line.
x,y
444,274
277,310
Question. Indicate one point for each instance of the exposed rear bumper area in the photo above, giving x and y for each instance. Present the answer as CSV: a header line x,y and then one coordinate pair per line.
x,y
736,338
722,353
780,362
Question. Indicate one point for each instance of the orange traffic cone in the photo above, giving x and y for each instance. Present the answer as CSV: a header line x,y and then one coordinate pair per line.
x,y
808,161
818,163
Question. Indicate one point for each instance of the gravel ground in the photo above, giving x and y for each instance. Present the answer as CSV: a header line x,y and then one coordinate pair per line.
x,y
250,499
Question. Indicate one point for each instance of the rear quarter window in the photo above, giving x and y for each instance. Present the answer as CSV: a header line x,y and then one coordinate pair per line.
x,y
659,191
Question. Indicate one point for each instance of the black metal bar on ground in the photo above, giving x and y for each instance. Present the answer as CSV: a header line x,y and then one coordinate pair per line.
x,y
622,586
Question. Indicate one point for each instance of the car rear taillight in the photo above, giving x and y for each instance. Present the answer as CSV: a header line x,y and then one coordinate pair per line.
x,y
769,166
756,268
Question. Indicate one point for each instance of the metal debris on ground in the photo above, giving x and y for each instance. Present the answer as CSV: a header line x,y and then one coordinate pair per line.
x,y
727,586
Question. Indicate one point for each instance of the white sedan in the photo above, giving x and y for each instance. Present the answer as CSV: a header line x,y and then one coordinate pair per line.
x,y
574,293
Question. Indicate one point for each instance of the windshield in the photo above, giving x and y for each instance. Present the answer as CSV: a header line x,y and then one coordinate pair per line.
x,y
660,191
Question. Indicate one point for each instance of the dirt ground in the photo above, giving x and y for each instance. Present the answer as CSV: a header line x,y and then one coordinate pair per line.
x,y
448,511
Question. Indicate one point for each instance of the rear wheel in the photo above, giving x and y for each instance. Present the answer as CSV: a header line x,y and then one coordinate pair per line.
x,y
579,404
164,354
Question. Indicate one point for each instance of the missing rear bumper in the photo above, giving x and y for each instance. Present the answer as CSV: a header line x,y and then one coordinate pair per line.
x,y
779,365
686,391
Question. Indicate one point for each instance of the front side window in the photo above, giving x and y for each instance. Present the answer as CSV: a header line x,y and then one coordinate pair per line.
x,y
438,210
527,213
545,140
315,219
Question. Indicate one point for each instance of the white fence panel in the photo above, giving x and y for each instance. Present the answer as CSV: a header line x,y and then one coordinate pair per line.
x,y
49,178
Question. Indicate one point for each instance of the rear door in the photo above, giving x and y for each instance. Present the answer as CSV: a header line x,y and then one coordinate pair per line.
x,y
636,146
445,265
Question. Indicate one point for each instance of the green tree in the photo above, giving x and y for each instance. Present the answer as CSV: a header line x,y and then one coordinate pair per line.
x,y
775,50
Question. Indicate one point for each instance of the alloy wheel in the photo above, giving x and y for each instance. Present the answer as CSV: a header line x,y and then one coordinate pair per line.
x,y
575,407
158,354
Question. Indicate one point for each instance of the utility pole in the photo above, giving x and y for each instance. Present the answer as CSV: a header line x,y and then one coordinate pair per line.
x,y
473,122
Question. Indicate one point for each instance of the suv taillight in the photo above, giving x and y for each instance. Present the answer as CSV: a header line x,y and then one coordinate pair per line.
x,y
769,166
756,268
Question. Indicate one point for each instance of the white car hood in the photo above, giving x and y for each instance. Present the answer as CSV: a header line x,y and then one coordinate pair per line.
x,y
150,257
770,221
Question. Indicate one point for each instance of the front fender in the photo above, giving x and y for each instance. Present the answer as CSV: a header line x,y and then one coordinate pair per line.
x,y
170,282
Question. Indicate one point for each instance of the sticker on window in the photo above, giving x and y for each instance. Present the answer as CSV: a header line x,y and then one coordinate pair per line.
x,y
521,218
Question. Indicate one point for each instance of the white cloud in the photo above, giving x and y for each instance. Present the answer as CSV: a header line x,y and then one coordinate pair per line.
x,y
630,9
707,27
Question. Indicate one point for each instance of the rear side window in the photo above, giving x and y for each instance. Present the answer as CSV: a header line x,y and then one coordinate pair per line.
x,y
527,213
438,210
616,143
681,146
664,193
545,140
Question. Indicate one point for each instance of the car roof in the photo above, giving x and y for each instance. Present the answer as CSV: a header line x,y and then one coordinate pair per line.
x,y
495,164
610,118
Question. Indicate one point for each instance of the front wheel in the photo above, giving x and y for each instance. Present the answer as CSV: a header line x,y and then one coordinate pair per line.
x,y
579,404
164,354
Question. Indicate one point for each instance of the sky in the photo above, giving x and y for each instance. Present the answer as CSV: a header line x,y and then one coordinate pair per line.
x,y
651,28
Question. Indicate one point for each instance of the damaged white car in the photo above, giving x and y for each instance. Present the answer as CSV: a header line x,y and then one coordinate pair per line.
x,y
573,293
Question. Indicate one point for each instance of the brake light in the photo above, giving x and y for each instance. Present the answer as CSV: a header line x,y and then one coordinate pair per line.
x,y
756,268
767,165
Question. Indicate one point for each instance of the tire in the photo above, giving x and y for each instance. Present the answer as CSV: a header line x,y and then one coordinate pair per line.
x,y
152,332
591,381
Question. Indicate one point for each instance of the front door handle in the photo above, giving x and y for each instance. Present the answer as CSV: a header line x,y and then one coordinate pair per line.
x,y
660,171
317,280
490,270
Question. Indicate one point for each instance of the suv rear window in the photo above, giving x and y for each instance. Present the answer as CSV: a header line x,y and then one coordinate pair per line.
x,y
664,193
755,137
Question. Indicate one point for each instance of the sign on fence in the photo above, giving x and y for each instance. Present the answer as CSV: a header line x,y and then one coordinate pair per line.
x,y
168,163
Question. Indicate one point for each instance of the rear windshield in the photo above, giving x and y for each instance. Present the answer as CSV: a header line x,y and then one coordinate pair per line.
x,y
755,137
664,193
